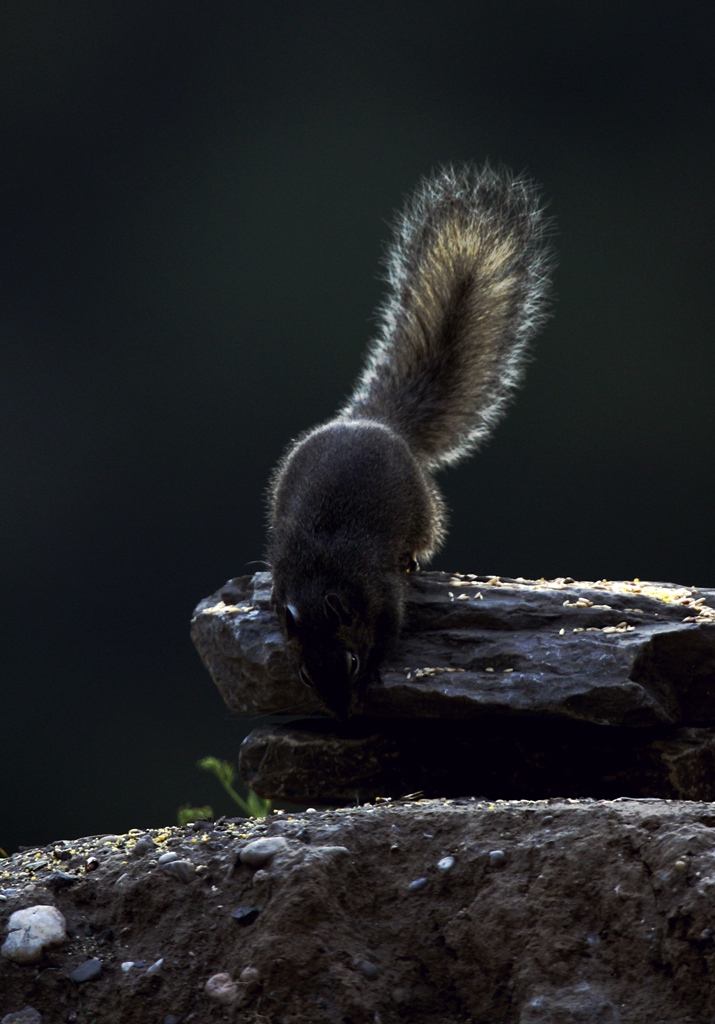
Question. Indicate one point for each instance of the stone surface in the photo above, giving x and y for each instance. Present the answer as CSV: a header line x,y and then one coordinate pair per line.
x,y
317,762
90,970
597,913
32,932
262,851
609,653
27,1015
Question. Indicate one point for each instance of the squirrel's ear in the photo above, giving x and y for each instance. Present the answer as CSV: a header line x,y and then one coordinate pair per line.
x,y
336,608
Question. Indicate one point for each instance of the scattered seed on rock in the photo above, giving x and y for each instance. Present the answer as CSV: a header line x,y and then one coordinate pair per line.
x,y
31,932
419,883
245,915
446,864
261,851
221,988
90,970
183,870
497,858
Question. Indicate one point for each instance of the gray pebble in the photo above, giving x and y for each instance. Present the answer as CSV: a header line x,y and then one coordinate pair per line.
x,y
166,858
156,966
329,851
446,864
183,870
250,977
366,967
60,880
145,844
260,851
419,883
28,1015
245,915
88,971
497,858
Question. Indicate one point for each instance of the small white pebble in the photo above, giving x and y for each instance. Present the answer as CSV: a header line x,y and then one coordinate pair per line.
x,y
32,931
127,966
446,864
221,988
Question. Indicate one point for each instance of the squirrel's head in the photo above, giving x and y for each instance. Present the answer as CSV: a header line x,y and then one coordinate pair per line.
x,y
331,646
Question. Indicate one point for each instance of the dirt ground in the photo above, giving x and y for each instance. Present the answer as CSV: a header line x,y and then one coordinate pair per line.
x,y
433,912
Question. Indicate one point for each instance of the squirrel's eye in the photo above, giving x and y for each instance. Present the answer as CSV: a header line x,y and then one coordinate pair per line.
x,y
305,677
353,663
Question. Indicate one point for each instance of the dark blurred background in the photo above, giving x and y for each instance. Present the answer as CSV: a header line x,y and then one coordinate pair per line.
x,y
194,204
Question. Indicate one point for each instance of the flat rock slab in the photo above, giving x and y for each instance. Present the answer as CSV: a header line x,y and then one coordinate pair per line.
x,y
432,912
315,763
609,653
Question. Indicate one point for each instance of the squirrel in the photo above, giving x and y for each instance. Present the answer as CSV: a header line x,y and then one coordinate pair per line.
x,y
353,507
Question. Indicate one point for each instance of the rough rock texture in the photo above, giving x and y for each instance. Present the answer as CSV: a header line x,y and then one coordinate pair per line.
x,y
312,762
513,687
431,912
633,654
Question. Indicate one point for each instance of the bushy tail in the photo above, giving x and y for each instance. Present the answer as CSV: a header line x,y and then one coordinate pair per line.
x,y
468,272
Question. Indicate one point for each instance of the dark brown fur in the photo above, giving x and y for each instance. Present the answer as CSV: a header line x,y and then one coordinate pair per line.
x,y
352,503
